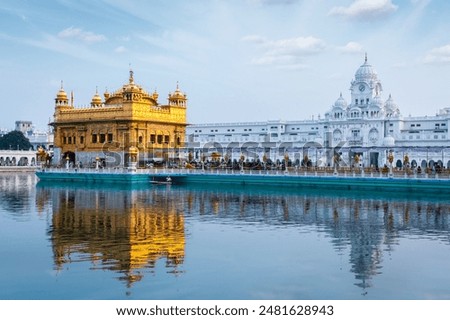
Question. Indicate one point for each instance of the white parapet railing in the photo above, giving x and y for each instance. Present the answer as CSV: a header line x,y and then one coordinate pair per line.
x,y
292,172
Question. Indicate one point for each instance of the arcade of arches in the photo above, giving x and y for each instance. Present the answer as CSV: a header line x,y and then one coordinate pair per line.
x,y
17,158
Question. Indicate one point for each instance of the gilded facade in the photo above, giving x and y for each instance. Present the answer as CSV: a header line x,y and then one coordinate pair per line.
x,y
127,118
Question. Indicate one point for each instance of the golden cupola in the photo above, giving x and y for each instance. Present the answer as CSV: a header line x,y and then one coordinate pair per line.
x,y
96,100
155,96
61,97
177,98
131,91
106,94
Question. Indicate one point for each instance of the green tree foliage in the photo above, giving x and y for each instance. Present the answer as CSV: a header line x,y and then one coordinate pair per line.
x,y
14,140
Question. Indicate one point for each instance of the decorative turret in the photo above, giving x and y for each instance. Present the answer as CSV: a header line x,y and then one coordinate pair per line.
x,y
131,91
106,94
155,96
339,109
341,103
96,100
177,98
391,107
61,98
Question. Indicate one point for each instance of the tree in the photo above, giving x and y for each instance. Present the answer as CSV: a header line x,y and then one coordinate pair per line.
x,y
14,140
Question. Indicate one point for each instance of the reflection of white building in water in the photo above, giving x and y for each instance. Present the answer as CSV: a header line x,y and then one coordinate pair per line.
x,y
368,125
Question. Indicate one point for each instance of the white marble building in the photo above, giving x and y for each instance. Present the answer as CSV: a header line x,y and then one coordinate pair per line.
x,y
36,137
367,125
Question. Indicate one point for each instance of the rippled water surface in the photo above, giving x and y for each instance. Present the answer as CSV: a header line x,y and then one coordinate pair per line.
x,y
65,241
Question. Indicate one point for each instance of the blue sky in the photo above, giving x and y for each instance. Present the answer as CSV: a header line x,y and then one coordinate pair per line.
x,y
237,60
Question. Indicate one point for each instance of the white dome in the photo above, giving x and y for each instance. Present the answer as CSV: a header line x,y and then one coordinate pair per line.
x,y
365,72
389,141
390,104
341,103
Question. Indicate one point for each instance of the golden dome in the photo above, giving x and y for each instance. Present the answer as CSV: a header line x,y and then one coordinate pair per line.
x,y
96,99
61,95
106,94
177,94
155,95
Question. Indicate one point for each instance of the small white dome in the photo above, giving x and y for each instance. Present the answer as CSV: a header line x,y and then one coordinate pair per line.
x,y
341,103
391,107
390,104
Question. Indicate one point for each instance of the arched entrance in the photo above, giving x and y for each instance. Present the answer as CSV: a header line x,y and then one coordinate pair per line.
x,y
398,164
413,164
423,164
431,164
23,161
70,155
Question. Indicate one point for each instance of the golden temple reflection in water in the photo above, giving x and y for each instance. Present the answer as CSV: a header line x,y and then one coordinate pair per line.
x,y
116,231
129,231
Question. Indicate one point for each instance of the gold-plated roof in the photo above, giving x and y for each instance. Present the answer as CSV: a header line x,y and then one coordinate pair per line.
x,y
96,99
61,95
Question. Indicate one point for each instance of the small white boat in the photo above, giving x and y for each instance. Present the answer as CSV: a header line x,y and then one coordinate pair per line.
x,y
168,181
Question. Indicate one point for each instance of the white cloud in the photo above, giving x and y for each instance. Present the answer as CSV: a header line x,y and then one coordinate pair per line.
x,y
438,55
351,47
285,51
79,34
365,9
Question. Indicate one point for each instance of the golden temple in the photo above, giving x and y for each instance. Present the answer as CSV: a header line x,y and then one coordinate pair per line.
x,y
127,118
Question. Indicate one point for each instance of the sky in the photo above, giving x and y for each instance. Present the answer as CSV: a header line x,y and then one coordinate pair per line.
x,y
237,60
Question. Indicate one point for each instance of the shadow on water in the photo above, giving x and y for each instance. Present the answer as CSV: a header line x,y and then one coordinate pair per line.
x,y
128,229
